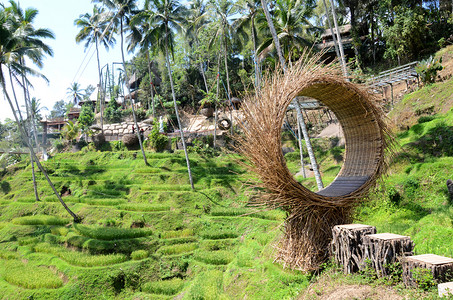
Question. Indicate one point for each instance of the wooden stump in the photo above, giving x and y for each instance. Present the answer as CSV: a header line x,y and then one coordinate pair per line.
x,y
440,267
445,289
383,249
347,246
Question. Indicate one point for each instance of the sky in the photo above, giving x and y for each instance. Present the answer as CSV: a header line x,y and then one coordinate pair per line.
x,y
69,62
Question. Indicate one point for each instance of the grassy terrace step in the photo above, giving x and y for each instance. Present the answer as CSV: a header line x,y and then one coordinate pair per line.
x,y
107,246
220,257
111,233
40,220
80,259
248,212
164,287
177,249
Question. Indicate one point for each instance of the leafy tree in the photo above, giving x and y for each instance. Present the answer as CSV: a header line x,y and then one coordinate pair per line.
x,y
75,92
86,117
113,112
60,109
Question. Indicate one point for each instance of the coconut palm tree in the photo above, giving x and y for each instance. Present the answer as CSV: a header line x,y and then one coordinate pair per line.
x,y
293,29
75,93
122,10
92,32
168,18
250,11
12,48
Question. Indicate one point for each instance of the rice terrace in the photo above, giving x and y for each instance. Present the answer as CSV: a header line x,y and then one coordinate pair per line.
x,y
226,149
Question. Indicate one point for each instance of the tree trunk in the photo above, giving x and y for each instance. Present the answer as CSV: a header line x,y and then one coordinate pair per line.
x,y
228,83
299,133
100,95
176,108
311,154
217,100
151,84
333,34
274,35
24,136
129,91
340,43
255,59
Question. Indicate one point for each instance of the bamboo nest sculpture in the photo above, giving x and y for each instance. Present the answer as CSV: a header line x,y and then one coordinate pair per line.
x,y
311,215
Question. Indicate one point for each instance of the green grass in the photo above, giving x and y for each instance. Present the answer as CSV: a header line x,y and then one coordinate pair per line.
x,y
40,220
30,277
176,233
164,287
208,285
80,259
178,248
143,207
220,257
111,233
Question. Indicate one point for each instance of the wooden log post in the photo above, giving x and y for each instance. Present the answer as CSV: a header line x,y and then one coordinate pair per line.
x,y
440,267
347,246
383,249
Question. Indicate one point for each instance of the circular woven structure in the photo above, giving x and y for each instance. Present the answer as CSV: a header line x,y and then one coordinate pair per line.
x,y
311,215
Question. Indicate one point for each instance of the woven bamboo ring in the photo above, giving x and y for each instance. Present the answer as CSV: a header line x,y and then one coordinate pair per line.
x,y
362,132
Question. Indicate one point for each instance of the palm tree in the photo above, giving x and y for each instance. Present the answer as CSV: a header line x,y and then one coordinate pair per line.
x,y
75,93
168,18
20,22
12,49
247,21
122,10
292,27
92,31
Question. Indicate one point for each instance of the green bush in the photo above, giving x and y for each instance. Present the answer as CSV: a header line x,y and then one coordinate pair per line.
x,y
428,68
424,278
425,119
158,141
164,287
139,254
111,233
40,220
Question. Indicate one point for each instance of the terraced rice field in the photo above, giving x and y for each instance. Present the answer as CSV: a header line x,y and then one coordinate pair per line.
x,y
145,234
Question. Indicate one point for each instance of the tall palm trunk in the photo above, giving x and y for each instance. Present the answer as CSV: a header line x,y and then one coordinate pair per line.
x,y
274,34
22,132
311,154
331,31
129,91
21,119
255,58
217,98
228,82
167,59
151,84
100,96
340,43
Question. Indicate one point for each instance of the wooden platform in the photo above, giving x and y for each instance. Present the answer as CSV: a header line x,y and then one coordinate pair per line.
x,y
347,245
383,249
343,185
441,267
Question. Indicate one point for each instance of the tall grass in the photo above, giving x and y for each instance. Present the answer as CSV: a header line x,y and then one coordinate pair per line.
x,y
143,207
220,257
164,287
79,258
40,220
30,277
112,233
178,248
208,285
176,233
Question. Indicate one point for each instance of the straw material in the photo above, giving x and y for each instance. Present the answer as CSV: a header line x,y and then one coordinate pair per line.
x,y
312,215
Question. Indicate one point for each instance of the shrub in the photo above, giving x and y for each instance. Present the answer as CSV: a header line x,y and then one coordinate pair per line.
x,y
111,233
425,119
112,112
139,254
158,141
164,287
427,69
424,278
